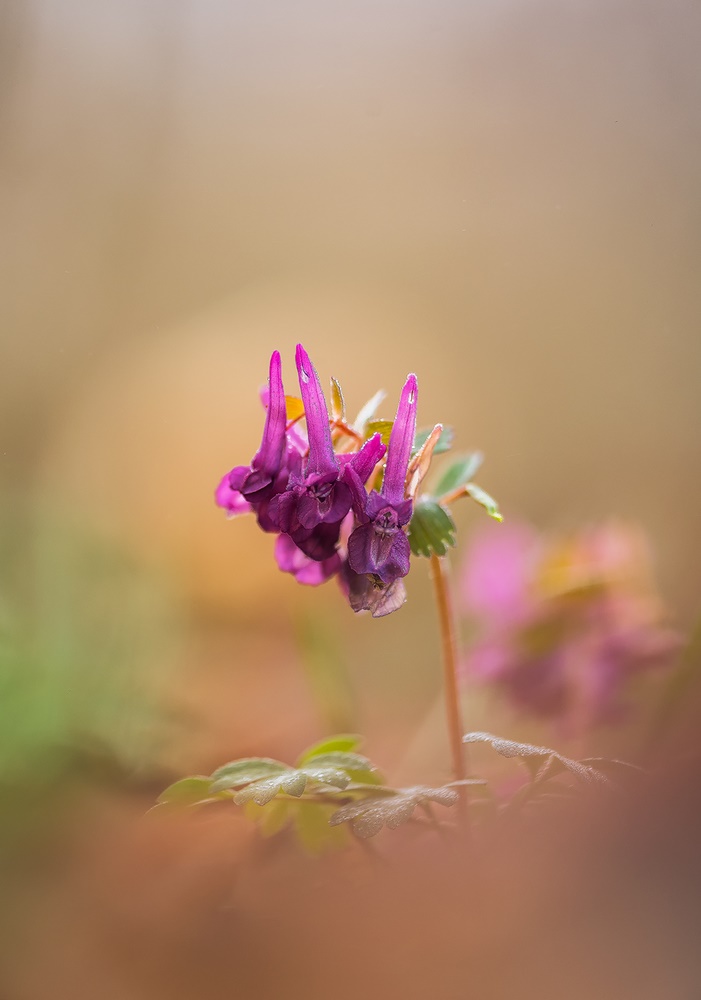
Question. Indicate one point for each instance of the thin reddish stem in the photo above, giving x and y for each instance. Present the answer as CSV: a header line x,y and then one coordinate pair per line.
x,y
450,677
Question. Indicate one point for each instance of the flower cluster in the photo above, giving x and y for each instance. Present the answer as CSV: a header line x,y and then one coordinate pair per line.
x,y
314,490
564,623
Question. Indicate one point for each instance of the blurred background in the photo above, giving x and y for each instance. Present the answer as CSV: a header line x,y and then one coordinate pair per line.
x,y
502,197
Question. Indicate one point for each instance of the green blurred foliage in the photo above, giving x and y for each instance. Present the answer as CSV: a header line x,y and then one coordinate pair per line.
x,y
87,639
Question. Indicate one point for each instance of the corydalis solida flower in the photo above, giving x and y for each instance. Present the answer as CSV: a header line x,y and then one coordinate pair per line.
x,y
310,490
566,623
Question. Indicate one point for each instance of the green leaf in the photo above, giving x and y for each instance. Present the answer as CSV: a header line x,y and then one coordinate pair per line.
x,y
381,427
290,782
342,742
338,404
326,775
357,767
542,762
343,759
445,441
431,529
484,500
245,770
368,816
459,472
188,792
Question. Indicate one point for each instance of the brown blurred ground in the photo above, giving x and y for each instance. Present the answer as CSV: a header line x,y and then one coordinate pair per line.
x,y
501,197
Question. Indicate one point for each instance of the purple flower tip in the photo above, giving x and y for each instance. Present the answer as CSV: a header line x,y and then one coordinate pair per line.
x,y
259,481
321,456
401,441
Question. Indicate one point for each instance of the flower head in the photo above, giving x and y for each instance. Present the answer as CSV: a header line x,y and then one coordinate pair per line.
x,y
310,489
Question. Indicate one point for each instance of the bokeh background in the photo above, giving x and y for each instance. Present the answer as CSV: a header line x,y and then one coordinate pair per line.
x,y
502,197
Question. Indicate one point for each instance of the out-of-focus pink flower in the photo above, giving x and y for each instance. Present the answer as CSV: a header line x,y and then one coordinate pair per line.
x,y
564,623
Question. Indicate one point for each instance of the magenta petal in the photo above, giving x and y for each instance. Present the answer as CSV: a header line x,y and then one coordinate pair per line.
x,y
338,503
360,545
308,510
321,458
365,460
359,498
401,441
268,459
305,570
230,499
320,542
371,550
399,559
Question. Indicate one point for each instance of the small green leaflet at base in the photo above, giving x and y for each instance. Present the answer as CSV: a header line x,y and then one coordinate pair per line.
x,y
368,816
483,498
458,473
544,763
445,441
431,529
193,791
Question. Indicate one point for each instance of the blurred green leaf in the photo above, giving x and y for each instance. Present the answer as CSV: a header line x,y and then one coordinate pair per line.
x,y
458,473
293,782
343,759
241,772
368,816
188,792
290,782
343,742
381,427
445,441
431,529
357,767
484,500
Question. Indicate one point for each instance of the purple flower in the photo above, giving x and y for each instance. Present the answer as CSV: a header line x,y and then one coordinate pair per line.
x,y
249,486
316,500
312,572
564,624
379,545
314,495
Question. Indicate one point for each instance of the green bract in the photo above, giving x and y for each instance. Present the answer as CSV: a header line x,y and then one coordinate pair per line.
x,y
431,529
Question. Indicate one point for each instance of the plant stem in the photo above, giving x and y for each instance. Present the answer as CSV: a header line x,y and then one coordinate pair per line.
x,y
450,677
